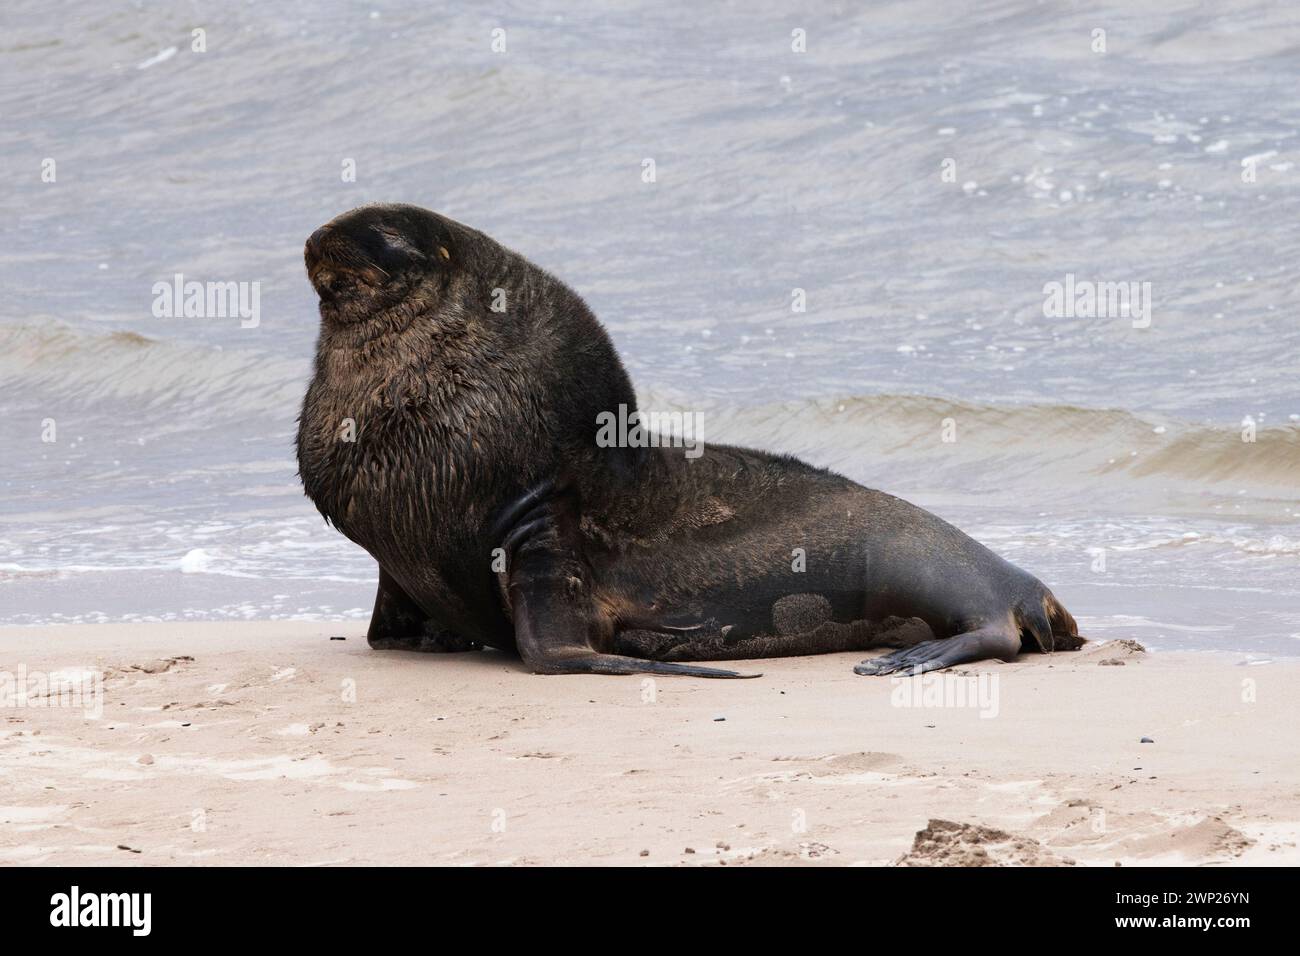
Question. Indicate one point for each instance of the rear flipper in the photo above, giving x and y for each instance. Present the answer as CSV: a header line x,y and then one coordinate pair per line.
x,y
1045,624
556,620
999,641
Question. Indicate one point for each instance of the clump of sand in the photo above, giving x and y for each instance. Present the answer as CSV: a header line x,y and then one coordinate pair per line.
x,y
946,843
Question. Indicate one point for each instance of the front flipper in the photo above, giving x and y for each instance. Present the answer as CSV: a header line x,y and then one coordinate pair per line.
x,y
556,620
977,645
399,624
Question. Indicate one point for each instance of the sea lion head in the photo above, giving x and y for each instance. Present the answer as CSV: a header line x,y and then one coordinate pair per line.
x,y
376,256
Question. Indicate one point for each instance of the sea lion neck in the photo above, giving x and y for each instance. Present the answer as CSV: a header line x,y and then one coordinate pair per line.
x,y
425,323
374,334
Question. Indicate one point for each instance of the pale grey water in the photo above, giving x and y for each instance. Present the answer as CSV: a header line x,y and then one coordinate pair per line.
x,y
170,491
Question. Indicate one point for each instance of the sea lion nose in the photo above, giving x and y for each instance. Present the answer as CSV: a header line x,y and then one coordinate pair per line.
x,y
315,239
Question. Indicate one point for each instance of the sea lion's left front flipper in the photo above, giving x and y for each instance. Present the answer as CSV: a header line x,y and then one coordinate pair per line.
x,y
555,616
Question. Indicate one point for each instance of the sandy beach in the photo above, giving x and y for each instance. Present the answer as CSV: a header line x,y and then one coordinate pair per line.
x,y
270,743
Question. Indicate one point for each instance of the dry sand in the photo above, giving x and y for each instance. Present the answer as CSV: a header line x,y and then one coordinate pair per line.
x,y
268,743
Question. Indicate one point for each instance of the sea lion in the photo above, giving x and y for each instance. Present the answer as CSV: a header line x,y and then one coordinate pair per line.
x,y
450,430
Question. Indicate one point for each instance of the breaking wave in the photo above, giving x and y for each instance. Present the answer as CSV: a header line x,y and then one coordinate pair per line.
x,y
91,367
962,445
872,438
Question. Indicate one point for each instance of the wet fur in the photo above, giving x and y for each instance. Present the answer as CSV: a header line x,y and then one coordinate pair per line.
x,y
460,410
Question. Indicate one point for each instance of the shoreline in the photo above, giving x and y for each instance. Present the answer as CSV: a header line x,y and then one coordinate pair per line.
x,y
265,742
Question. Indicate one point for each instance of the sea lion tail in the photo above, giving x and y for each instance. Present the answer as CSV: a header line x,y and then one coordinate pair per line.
x,y
1052,627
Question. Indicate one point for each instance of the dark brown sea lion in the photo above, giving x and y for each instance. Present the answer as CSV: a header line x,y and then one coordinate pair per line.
x,y
450,430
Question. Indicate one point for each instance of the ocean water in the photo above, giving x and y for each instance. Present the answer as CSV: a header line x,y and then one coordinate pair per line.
x,y
914,179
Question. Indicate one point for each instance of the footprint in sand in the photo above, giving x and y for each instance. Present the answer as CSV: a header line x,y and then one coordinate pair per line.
x,y
853,769
864,762
159,666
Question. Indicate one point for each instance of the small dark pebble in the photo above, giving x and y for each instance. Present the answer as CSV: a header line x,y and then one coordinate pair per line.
x,y
718,719
1146,740
185,725
689,849
338,638
645,852
129,849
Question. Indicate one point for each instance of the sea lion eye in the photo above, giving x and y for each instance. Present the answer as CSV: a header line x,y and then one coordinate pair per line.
x,y
442,251
396,241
